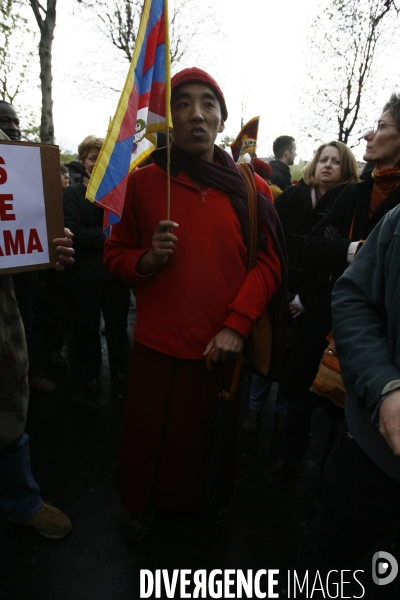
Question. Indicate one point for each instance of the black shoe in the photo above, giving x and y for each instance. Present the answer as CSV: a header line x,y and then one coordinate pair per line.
x,y
140,526
93,386
223,515
120,377
275,474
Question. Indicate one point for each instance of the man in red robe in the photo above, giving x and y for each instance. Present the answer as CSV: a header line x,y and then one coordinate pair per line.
x,y
194,295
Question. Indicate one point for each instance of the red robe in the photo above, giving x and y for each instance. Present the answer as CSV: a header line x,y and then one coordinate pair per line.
x,y
204,287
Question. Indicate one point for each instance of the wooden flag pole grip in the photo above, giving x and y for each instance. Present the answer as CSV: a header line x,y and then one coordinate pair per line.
x,y
235,377
168,177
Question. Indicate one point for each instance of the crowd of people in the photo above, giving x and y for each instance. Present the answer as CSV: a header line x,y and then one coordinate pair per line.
x,y
326,242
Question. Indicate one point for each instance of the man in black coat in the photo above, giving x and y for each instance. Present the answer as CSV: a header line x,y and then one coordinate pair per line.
x,y
284,148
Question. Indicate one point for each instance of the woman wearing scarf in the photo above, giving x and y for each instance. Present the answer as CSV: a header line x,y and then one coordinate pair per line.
x,y
329,249
194,294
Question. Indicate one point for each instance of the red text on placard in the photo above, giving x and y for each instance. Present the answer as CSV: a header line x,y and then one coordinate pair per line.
x,y
3,172
5,207
16,245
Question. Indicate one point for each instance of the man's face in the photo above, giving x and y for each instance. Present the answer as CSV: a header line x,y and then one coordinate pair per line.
x,y
9,122
291,155
197,120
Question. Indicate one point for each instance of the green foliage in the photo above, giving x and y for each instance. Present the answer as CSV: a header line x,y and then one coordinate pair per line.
x,y
296,171
31,131
66,156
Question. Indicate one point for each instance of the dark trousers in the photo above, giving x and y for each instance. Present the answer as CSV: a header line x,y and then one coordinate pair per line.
x,y
90,299
360,502
58,295
300,373
296,432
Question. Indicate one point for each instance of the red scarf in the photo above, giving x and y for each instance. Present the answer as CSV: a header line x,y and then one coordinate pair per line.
x,y
385,182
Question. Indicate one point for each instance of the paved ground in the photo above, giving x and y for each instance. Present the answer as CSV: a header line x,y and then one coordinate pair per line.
x,y
75,440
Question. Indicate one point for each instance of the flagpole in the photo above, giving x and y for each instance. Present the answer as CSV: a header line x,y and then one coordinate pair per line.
x,y
168,177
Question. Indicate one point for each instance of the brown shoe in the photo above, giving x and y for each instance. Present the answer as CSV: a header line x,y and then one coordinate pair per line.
x,y
40,384
50,522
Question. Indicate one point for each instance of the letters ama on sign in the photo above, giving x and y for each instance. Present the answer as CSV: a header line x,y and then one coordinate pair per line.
x,y
20,242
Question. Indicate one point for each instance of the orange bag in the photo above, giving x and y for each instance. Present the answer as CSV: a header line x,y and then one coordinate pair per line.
x,y
328,381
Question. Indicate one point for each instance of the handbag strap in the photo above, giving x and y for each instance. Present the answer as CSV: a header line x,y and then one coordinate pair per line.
x,y
248,176
352,227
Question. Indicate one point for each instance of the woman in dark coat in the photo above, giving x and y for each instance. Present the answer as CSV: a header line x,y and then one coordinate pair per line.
x,y
95,291
302,206
328,249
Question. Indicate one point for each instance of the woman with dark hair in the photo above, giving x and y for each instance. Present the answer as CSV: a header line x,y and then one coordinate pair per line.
x,y
328,250
64,176
299,208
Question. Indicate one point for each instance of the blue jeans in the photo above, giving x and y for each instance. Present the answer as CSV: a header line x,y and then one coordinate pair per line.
x,y
259,392
19,493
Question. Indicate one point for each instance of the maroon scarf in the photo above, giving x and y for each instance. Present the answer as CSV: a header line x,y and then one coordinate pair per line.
x,y
224,175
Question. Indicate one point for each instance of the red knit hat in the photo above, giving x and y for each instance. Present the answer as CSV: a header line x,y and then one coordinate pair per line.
x,y
195,75
262,168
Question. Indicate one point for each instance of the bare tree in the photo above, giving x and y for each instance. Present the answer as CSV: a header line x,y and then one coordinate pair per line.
x,y
119,21
344,43
46,19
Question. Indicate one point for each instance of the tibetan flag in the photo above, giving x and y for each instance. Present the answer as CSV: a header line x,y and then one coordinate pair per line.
x,y
246,141
143,109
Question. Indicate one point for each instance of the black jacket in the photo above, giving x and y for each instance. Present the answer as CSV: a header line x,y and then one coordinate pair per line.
x,y
280,174
76,171
325,252
298,217
85,220
326,246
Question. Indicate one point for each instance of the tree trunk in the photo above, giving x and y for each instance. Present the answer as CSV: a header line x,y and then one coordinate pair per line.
x,y
46,26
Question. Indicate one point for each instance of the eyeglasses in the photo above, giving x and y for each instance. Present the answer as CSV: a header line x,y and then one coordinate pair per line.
x,y
378,126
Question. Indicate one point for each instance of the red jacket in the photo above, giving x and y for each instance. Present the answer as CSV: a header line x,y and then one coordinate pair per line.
x,y
205,285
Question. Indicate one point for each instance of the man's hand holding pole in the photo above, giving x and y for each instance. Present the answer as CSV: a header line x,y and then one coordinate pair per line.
x,y
163,243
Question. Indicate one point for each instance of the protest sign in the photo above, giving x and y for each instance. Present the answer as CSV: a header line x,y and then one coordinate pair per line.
x,y
31,211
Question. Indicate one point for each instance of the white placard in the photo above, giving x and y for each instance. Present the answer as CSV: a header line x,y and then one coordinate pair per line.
x,y
23,232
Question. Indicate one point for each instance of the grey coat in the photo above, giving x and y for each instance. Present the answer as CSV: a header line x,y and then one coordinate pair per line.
x,y
366,328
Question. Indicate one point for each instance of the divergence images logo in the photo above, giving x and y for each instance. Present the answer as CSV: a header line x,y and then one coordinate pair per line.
x,y
384,568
